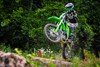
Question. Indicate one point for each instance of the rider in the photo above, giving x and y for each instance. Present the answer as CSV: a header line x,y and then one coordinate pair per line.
x,y
70,16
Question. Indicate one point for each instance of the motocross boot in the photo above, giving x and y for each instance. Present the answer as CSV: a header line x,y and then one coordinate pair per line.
x,y
71,38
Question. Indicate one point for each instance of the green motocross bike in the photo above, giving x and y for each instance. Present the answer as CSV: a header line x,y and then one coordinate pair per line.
x,y
59,33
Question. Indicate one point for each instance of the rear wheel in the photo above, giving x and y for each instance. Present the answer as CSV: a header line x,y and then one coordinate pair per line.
x,y
66,51
51,34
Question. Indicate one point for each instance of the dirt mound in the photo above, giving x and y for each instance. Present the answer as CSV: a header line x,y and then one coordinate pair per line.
x,y
12,60
56,63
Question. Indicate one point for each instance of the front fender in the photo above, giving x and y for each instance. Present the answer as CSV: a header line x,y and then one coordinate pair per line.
x,y
54,18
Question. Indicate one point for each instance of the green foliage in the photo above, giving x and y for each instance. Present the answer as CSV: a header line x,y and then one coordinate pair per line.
x,y
5,22
90,61
46,54
52,65
5,48
17,1
19,52
76,61
27,56
89,55
85,31
1,3
17,14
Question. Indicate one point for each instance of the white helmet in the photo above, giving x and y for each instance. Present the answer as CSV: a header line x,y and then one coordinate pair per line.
x,y
69,6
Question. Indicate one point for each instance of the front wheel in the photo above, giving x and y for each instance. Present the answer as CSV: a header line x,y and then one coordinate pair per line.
x,y
49,31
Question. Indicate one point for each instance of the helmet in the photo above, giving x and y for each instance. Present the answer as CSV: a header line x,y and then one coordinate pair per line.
x,y
69,6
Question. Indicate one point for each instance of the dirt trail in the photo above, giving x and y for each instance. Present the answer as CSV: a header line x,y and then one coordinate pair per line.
x,y
46,62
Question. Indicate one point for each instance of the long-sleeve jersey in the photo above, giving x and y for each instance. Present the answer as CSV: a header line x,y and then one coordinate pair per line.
x,y
70,16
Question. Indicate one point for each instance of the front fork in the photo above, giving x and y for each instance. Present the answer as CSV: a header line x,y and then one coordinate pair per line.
x,y
68,45
58,26
66,29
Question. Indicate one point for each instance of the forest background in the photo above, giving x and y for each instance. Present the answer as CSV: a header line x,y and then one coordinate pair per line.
x,y
22,23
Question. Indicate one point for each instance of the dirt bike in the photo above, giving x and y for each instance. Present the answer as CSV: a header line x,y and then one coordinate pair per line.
x,y
59,33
